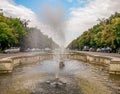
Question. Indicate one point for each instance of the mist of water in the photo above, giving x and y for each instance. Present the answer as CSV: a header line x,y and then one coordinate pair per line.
x,y
54,17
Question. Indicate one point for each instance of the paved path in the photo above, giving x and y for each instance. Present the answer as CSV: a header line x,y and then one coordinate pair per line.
x,y
8,55
2,55
103,54
27,53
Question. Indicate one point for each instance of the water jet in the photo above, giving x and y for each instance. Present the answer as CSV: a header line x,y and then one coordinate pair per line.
x,y
56,83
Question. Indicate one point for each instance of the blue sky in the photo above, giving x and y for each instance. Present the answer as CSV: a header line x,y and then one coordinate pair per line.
x,y
35,5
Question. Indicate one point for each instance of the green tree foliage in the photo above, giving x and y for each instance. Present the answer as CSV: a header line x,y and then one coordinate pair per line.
x,y
11,32
106,33
35,39
15,33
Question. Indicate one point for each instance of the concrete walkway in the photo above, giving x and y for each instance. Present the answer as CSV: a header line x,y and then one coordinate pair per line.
x,y
102,54
3,55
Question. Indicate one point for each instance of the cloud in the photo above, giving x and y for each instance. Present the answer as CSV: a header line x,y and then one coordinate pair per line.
x,y
81,19
10,9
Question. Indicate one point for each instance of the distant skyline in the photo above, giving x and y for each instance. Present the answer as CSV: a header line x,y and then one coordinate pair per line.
x,y
81,14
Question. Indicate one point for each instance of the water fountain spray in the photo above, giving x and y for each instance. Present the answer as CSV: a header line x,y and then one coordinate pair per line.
x,y
54,18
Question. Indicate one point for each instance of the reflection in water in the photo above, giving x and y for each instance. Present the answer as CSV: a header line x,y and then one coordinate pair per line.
x,y
80,78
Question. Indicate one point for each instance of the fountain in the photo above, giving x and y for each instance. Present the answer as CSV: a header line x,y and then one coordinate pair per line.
x,y
56,83
61,65
54,19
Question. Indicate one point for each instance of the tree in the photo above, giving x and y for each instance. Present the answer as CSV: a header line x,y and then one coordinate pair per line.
x,y
106,33
12,32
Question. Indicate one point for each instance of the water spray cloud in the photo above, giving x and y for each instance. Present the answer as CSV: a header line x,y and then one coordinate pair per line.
x,y
54,17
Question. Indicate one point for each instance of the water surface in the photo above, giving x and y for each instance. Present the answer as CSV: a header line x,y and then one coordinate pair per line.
x,y
81,78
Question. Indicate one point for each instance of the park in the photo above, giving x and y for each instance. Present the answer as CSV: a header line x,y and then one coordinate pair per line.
x,y
59,47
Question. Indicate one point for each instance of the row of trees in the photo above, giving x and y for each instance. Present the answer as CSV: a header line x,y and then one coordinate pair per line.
x,y
12,31
104,34
35,39
15,33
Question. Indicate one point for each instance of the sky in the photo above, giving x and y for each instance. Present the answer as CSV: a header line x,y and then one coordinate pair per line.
x,y
80,15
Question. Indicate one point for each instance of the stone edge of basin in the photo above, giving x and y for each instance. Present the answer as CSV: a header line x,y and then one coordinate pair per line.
x,y
113,63
7,64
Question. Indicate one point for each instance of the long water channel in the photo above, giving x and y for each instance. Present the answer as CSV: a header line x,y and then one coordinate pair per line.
x,y
79,78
